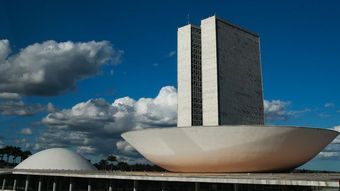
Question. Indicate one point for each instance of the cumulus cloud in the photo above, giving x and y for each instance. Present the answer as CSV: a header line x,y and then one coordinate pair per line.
x,y
86,149
51,108
24,143
94,126
11,104
160,111
125,148
19,108
51,67
5,50
133,159
278,110
26,131
332,151
9,96
275,110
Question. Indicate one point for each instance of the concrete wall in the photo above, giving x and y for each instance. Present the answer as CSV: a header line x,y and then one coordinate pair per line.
x,y
209,73
232,148
239,76
231,75
184,76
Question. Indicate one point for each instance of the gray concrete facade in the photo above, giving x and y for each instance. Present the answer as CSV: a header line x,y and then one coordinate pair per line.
x,y
189,76
318,180
219,75
210,99
231,75
184,76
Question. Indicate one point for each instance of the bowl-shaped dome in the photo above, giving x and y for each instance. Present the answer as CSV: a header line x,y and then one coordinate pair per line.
x,y
230,148
56,159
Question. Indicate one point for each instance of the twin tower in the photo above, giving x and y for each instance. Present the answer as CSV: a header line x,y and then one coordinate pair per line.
x,y
219,75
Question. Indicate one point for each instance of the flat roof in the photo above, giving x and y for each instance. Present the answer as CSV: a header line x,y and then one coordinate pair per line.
x,y
297,179
225,22
237,27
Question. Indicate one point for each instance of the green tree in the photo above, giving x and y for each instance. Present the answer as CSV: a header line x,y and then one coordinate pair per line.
x,y
102,164
16,152
2,153
112,159
25,155
8,152
124,166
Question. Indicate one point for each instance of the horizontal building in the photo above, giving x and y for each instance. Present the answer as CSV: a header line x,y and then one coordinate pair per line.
x,y
163,181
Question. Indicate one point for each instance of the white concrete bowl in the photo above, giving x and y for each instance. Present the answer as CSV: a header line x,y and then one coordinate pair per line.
x,y
243,148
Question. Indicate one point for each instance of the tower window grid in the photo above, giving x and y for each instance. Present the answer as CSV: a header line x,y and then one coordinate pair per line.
x,y
196,77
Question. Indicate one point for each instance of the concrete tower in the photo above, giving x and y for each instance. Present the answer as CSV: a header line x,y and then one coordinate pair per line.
x,y
189,76
219,75
231,74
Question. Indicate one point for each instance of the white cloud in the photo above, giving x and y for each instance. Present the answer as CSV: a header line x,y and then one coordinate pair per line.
x,y
278,110
86,150
275,110
11,104
9,96
94,126
125,148
26,131
24,143
18,107
324,115
51,108
133,159
5,49
49,68
329,105
172,53
160,111
329,155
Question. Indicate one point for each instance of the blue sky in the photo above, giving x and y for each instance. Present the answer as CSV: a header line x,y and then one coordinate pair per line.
x,y
299,52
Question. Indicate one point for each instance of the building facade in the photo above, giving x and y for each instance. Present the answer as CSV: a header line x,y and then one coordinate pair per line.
x,y
220,84
189,76
50,180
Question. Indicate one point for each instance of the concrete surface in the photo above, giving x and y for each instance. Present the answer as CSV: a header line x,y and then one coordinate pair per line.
x,y
298,179
56,158
238,148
